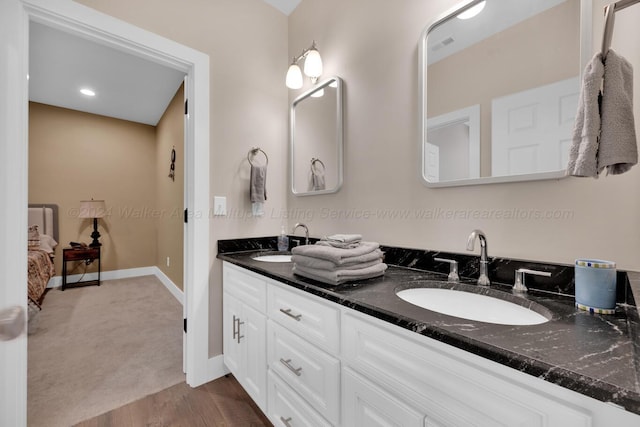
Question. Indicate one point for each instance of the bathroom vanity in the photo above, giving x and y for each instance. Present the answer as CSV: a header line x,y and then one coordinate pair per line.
x,y
358,355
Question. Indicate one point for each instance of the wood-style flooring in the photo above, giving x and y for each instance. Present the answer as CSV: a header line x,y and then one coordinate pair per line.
x,y
220,403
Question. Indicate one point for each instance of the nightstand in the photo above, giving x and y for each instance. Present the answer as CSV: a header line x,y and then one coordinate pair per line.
x,y
84,254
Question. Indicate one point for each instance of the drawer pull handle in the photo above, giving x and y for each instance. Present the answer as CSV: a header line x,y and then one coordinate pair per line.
x,y
236,329
287,311
287,363
285,421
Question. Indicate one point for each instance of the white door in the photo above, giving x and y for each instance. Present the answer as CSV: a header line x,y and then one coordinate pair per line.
x,y
13,204
531,130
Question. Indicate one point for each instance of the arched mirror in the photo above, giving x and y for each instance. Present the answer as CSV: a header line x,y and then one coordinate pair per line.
x,y
500,81
316,139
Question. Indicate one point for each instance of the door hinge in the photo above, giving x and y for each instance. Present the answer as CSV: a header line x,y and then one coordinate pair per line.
x,y
186,107
186,216
185,325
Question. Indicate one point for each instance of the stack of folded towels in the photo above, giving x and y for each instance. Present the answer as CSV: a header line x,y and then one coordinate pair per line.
x,y
338,259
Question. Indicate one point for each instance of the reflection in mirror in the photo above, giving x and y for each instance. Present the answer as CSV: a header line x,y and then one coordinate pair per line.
x,y
316,139
500,90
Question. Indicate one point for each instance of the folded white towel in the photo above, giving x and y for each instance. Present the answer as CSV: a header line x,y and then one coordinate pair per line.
x,y
343,238
617,150
340,276
335,255
362,261
584,145
336,244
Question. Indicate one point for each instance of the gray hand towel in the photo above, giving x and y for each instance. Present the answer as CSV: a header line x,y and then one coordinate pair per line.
x,y
584,145
258,184
352,263
317,181
340,276
618,150
335,255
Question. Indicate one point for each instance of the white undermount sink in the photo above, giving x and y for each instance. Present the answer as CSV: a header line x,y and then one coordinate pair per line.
x,y
272,258
472,306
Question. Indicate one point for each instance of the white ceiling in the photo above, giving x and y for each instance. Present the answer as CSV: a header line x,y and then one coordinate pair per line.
x,y
284,6
127,87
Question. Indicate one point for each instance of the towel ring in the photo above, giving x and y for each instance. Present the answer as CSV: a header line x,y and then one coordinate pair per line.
x,y
313,165
253,152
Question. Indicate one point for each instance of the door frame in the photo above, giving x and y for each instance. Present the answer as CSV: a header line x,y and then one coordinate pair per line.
x,y
80,20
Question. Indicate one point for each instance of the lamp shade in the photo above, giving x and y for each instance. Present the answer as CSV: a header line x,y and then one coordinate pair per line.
x,y
294,77
92,209
313,64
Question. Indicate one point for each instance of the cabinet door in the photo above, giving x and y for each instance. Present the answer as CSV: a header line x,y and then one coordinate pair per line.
x,y
231,311
366,405
253,335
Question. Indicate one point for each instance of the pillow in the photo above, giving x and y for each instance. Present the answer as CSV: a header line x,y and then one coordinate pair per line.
x,y
33,236
47,243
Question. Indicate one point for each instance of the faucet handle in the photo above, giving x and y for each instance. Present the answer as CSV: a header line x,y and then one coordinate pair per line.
x,y
519,286
453,268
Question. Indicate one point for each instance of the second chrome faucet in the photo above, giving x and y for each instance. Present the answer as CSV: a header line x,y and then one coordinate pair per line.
x,y
483,279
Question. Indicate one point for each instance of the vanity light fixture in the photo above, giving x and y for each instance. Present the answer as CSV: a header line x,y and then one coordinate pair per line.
x,y
312,67
472,11
87,92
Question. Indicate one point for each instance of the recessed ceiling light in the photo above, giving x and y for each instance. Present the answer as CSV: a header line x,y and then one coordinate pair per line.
x,y
472,11
87,92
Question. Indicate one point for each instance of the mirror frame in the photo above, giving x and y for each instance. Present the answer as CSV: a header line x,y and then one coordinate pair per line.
x,y
586,52
339,135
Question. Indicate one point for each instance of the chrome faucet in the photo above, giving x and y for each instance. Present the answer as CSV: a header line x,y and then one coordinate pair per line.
x,y
483,279
306,231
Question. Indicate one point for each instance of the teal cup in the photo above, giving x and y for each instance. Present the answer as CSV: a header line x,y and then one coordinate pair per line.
x,y
595,281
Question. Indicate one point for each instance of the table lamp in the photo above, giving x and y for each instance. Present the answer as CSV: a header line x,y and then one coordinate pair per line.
x,y
93,209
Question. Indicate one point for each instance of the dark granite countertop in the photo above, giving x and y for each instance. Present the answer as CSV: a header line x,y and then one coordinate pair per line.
x,y
596,355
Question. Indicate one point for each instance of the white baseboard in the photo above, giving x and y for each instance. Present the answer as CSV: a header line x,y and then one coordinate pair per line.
x,y
216,367
56,281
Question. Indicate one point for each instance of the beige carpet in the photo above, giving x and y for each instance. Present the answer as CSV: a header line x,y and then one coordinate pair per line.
x,y
96,348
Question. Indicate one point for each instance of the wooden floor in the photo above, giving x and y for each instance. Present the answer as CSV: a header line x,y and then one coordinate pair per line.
x,y
220,403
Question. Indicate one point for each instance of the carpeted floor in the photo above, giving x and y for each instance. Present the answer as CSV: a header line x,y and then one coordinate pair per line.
x,y
96,348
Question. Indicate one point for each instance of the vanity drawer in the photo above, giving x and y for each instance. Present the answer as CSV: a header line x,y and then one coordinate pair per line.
x,y
287,409
451,386
311,372
306,315
248,287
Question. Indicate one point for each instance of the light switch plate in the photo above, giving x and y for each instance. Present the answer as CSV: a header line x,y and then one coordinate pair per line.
x,y
219,206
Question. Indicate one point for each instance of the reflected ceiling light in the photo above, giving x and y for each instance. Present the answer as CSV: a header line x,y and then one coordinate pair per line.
x,y
87,92
312,67
472,11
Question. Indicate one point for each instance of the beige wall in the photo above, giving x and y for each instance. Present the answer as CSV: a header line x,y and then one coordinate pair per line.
x,y
246,41
170,194
75,156
372,45
377,58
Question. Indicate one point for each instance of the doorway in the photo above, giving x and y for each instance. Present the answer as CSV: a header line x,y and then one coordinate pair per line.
x,y
15,16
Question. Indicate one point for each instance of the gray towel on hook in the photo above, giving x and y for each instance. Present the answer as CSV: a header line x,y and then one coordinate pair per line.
x,y
618,150
583,154
258,184
317,181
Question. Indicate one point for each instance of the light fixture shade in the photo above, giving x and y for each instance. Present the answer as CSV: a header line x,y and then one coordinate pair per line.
x,y
294,77
313,64
92,209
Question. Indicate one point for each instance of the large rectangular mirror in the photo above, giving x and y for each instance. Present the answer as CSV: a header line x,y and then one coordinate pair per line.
x,y
499,82
316,139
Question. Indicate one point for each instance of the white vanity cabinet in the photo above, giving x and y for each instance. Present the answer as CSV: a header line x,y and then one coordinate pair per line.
x,y
326,364
245,332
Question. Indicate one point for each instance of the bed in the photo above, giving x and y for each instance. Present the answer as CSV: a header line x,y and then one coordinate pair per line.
x,y
42,241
